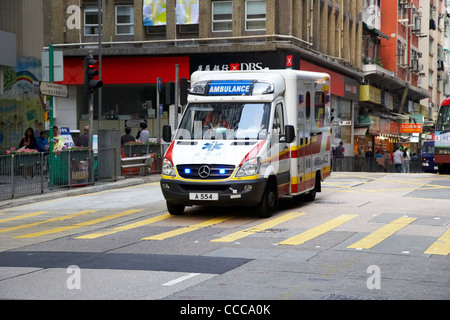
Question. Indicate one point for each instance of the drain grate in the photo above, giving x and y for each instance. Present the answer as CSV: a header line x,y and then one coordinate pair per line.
x,y
330,202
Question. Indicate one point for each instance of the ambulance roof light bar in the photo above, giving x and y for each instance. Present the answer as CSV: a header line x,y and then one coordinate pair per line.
x,y
232,87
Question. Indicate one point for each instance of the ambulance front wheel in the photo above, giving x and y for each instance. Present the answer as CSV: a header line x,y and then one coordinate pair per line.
x,y
269,201
175,209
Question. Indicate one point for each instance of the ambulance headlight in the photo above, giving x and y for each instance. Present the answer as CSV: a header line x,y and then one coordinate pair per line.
x,y
249,168
167,168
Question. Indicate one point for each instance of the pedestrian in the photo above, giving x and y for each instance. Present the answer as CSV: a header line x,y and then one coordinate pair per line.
x,y
332,154
58,141
42,141
340,150
83,140
405,161
398,160
29,140
144,135
369,153
127,137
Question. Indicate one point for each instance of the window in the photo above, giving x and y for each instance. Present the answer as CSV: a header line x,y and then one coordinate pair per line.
x,y
124,20
91,21
319,109
308,105
222,13
278,120
223,120
255,15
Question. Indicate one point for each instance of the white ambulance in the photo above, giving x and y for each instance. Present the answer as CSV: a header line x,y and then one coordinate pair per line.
x,y
247,138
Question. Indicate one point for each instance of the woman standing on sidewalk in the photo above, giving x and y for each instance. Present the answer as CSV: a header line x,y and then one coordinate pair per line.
x,y
405,161
28,142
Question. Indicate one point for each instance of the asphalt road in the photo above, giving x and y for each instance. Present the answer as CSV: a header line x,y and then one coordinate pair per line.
x,y
366,236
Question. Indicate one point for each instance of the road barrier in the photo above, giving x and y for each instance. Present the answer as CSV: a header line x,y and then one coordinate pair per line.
x,y
23,174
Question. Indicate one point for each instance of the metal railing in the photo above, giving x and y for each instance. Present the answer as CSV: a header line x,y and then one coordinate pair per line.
x,y
37,173
362,164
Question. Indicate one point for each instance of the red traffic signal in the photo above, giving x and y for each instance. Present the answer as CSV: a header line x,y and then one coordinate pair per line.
x,y
90,84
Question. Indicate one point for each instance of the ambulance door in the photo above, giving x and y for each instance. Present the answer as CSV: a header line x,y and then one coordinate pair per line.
x,y
298,185
309,118
280,156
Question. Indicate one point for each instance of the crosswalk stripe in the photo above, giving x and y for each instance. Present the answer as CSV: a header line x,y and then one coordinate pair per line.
x,y
125,227
24,216
187,229
441,246
70,216
79,225
382,233
317,231
261,227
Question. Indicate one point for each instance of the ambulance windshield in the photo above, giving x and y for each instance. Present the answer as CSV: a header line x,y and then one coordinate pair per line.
x,y
225,121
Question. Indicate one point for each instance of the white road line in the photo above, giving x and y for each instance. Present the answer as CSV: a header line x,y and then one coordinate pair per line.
x,y
180,279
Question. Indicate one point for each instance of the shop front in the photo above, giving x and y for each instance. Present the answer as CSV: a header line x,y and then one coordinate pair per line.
x,y
129,93
344,101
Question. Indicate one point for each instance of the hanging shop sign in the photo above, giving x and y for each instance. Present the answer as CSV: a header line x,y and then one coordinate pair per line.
x,y
410,128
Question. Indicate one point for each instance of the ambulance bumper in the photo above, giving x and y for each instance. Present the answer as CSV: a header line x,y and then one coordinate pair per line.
x,y
230,193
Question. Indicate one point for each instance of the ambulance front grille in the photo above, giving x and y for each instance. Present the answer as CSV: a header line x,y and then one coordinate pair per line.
x,y
205,171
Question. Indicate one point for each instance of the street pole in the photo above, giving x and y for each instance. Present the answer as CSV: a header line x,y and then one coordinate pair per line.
x,y
50,155
158,116
99,63
176,95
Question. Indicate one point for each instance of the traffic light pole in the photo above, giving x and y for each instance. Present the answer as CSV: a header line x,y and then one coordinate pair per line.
x,y
50,136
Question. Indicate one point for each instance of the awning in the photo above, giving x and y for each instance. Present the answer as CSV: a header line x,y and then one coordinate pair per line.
x,y
360,132
375,31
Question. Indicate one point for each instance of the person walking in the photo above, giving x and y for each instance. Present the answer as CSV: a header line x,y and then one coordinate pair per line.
x,y
398,160
405,161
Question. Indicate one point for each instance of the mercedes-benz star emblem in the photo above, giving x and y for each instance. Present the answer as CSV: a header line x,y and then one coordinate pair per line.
x,y
204,172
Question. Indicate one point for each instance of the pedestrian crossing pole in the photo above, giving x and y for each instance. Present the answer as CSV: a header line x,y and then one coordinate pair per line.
x,y
50,136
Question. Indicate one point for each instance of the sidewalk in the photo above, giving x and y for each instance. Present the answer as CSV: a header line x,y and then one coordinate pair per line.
x,y
61,193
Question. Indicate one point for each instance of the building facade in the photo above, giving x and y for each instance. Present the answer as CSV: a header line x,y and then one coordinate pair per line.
x,y
382,66
143,40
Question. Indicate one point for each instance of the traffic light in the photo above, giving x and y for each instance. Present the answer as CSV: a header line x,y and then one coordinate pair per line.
x,y
90,84
184,90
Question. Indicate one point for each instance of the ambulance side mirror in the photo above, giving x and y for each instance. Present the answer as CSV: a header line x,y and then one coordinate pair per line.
x,y
167,133
289,135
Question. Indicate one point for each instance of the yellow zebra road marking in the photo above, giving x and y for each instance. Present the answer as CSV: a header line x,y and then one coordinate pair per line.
x,y
125,227
261,227
24,216
70,216
78,225
382,233
441,246
319,230
187,229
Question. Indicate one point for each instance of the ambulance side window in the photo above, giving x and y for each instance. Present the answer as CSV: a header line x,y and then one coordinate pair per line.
x,y
319,109
308,105
278,120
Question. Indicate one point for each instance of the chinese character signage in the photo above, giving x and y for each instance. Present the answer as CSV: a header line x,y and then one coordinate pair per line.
x,y
410,128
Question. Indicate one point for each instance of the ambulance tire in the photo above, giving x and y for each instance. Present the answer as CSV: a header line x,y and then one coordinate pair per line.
x,y
175,209
269,201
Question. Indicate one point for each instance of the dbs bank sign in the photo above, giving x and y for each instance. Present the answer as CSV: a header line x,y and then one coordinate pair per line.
x,y
243,62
